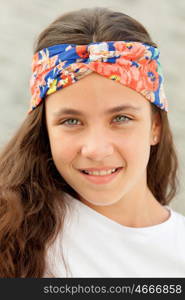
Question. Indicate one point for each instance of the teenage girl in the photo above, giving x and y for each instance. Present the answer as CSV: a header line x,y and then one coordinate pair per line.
x,y
86,181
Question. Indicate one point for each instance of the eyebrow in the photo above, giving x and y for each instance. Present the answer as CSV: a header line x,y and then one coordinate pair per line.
x,y
75,112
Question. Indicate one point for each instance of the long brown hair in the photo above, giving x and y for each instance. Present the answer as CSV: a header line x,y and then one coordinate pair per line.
x,y
31,188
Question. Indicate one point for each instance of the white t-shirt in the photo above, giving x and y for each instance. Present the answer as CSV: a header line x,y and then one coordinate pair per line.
x,y
96,246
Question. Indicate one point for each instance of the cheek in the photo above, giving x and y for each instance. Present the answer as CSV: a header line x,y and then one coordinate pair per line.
x,y
63,150
135,148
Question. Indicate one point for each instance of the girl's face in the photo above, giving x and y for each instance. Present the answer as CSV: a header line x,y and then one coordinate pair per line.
x,y
110,127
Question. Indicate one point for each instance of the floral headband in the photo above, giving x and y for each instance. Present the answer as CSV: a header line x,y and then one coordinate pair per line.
x,y
132,64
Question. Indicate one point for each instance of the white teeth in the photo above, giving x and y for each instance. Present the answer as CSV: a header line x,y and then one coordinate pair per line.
x,y
101,173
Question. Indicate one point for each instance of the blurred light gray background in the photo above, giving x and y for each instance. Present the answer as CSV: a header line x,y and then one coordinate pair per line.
x,y
20,23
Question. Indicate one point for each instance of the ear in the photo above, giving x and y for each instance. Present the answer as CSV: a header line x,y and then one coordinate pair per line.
x,y
155,129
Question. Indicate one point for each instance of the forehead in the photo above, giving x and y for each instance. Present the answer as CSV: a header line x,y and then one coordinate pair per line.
x,y
95,93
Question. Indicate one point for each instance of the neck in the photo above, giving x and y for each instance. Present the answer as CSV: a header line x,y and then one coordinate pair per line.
x,y
133,212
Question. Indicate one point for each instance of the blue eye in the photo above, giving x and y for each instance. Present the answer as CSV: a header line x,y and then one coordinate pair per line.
x,y
125,119
70,123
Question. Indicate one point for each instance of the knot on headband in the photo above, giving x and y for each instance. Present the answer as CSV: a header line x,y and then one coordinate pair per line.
x,y
132,64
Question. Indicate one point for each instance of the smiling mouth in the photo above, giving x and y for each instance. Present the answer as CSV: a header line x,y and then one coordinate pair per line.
x,y
99,179
106,174
99,174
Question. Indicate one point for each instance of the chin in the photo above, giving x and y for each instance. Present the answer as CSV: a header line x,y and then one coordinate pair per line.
x,y
98,203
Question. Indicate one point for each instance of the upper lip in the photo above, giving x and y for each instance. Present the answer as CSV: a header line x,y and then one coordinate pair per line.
x,y
99,169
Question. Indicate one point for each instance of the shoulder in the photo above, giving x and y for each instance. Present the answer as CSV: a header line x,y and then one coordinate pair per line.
x,y
178,218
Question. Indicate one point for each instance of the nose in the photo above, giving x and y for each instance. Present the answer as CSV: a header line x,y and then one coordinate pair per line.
x,y
97,146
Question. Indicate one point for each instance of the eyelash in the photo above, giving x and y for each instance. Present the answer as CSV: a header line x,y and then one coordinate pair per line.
x,y
71,125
